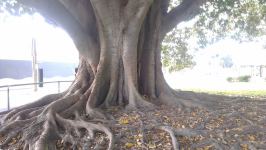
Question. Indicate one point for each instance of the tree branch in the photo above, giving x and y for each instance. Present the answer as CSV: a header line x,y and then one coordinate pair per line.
x,y
164,6
183,12
55,11
59,13
82,11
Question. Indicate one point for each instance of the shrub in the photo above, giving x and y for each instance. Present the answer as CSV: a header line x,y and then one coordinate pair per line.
x,y
245,78
229,79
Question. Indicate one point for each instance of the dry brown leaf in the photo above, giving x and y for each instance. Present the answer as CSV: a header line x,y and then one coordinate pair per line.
x,y
129,145
123,121
139,143
151,146
251,137
207,147
157,114
244,146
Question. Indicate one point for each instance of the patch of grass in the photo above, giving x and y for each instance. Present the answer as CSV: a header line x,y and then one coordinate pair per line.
x,y
248,93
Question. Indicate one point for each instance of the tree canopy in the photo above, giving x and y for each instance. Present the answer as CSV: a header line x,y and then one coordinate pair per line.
x,y
242,20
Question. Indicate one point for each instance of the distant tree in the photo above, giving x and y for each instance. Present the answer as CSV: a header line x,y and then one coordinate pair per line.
x,y
242,20
226,62
175,51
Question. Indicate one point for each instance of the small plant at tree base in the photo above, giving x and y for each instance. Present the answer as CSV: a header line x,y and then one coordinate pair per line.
x,y
245,78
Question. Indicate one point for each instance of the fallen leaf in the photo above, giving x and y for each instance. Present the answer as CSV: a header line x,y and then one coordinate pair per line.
x,y
139,143
123,121
207,147
129,145
244,146
251,137
152,146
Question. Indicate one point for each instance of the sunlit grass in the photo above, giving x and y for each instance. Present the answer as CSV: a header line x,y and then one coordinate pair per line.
x,y
248,93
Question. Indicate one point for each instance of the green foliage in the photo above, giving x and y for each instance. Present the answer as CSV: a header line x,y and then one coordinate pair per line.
x,y
248,93
14,7
229,79
245,78
242,20
175,55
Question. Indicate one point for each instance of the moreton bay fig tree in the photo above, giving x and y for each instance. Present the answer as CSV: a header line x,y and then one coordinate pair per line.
x,y
119,45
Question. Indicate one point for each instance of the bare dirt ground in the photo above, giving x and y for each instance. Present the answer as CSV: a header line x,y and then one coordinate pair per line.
x,y
238,125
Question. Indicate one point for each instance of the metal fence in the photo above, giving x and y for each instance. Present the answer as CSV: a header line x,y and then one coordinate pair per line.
x,y
8,88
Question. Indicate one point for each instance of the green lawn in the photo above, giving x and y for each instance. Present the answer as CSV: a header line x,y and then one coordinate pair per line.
x,y
249,93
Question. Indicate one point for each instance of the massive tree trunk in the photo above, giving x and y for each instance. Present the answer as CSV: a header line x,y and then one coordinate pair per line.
x,y
120,65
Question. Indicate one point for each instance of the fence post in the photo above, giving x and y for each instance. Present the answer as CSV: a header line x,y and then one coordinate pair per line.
x,y
40,76
8,99
58,85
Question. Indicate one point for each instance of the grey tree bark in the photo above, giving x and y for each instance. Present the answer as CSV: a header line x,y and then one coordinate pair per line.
x,y
120,65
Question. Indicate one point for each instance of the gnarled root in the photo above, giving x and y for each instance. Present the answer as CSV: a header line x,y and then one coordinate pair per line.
x,y
179,132
40,124
72,128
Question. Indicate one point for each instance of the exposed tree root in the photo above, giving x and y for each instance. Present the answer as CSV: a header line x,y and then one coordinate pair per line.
x,y
71,119
75,125
173,136
45,125
22,110
41,123
180,132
